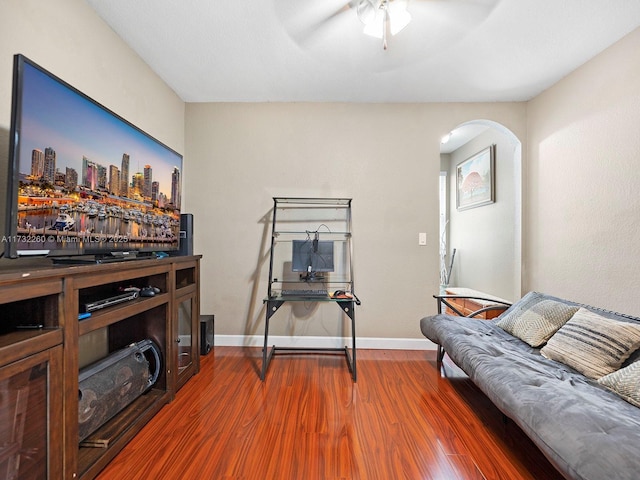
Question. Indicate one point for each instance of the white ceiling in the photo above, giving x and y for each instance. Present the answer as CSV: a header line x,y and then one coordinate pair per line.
x,y
314,50
461,135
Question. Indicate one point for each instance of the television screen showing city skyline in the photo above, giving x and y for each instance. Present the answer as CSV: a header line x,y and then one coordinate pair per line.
x,y
86,178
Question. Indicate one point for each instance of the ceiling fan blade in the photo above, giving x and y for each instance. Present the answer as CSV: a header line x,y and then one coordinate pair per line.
x,y
367,10
306,19
462,14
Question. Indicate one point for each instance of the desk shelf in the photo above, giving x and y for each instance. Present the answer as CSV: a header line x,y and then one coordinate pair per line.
x,y
311,248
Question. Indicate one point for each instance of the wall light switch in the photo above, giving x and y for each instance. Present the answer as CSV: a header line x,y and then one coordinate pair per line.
x,y
422,238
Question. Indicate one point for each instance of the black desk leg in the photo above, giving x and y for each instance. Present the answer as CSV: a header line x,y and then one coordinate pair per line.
x,y
264,348
348,308
272,307
353,344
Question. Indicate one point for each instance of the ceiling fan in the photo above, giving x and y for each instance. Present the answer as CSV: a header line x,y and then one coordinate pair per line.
x,y
329,28
383,18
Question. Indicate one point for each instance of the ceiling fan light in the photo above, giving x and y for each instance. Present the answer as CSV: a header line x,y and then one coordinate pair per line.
x,y
398,16
375,28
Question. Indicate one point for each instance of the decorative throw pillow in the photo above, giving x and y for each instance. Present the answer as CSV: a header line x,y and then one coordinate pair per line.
x,y
625,382
592,344
534,319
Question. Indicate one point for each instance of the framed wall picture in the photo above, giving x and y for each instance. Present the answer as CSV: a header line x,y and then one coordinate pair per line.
x,y
475,180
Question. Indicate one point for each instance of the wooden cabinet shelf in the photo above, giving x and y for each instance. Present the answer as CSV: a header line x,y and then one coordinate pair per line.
x,y
110,315
185,277
41,330
467,306
22,343
188,290
117,432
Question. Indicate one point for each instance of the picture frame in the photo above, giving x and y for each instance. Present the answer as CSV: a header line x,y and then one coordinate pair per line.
x,y
475,180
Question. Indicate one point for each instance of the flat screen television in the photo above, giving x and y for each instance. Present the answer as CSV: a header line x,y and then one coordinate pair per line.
x,y
82,180
312,256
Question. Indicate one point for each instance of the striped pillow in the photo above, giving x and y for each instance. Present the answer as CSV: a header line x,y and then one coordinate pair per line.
x,y
625,382
592,344
534,319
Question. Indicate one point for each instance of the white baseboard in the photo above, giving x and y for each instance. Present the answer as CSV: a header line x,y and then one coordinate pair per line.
x,y
325,342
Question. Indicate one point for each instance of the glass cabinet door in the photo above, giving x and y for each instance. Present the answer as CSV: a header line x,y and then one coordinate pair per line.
x,y
186,349
28,406
185,324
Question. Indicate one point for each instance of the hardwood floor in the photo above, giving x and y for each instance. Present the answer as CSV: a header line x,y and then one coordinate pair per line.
x,y
309,421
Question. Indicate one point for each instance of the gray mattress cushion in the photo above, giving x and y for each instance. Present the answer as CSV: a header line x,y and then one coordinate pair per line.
x,y
586,431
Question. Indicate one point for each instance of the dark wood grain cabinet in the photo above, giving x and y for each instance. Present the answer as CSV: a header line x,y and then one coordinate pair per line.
x,y
44,345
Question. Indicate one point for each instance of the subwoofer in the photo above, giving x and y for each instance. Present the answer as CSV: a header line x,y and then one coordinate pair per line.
x,y
109,385
206,333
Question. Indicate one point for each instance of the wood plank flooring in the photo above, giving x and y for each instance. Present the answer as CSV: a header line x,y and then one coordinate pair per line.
x,y
308,420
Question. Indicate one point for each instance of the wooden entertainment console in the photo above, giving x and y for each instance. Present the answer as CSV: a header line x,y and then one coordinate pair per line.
x,y
43,346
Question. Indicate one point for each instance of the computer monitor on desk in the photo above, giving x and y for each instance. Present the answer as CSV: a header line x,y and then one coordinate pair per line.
x,y
312,257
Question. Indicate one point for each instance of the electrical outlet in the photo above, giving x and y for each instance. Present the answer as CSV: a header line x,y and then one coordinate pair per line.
x,y
422,238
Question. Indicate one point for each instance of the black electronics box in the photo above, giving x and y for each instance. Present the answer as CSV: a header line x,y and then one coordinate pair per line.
x,y
186,234
206,333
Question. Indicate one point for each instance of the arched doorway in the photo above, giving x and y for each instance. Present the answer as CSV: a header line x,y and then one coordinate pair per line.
x,y
487,239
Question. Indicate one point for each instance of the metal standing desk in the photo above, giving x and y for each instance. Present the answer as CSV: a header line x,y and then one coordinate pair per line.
x,y
346,304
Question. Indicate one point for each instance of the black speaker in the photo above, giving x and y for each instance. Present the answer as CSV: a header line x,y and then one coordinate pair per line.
x,y
206,333
186,234
109,385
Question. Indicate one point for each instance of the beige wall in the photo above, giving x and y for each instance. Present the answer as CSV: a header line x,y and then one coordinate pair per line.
x,y
582,201
485,237
67,38
581,150
386,157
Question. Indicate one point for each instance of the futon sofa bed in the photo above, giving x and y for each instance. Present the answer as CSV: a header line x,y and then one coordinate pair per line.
x,y
567,374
